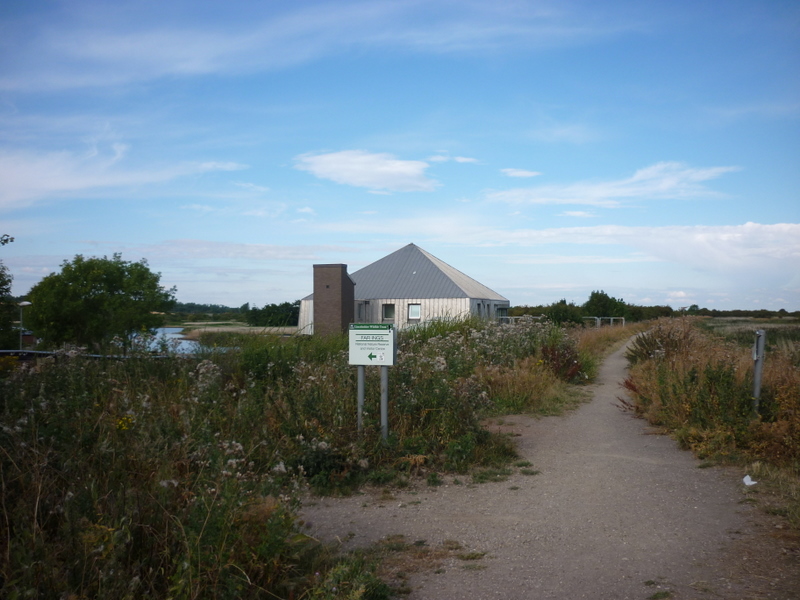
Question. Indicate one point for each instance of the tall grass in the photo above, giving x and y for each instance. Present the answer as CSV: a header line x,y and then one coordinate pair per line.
x,y
700,386
179,477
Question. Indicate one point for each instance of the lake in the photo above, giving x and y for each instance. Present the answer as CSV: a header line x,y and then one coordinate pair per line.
x,y
173,336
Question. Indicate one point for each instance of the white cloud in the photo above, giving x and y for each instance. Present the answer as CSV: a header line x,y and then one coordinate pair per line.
x,y
519,173
32,176
663,181
368,170
577,213
447,158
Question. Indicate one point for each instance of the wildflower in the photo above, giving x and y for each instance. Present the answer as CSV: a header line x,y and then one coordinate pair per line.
x,y
125,422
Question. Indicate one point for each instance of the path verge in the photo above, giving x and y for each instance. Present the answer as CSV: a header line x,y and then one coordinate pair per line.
x,y
613,511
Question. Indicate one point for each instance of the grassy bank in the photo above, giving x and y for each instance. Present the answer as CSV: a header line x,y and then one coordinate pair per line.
x,y
178,477
695,378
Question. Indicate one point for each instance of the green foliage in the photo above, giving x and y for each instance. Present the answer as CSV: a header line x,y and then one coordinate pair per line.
x,y
601,304
563,313
93,300
206,309
274,315
9,311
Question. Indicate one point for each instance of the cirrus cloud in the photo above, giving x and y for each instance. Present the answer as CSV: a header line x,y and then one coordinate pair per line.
x,y
29,177
663,180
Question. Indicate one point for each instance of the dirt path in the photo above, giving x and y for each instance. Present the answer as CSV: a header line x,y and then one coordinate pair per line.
x,y
615,512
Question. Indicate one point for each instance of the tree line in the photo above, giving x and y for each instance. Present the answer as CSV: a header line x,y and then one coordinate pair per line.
x,y
600,304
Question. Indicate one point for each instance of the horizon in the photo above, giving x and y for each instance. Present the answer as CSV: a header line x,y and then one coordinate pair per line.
x,y
545,149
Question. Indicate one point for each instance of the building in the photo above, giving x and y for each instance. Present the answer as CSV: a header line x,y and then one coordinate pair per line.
x,y
407,287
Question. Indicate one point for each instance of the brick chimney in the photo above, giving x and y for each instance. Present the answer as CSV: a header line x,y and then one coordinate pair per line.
x,y
334,299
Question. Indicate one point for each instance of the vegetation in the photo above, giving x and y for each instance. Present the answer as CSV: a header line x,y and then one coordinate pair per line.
x,y
270,315
94,300
699,385
8,311
179,477
274,315
183,312
8,336
601,304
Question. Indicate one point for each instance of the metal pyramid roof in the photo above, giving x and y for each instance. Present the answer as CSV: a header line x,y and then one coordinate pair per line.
x,y
411,272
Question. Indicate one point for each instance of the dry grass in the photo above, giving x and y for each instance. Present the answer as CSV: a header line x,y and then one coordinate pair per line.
x,y
599,342
699,387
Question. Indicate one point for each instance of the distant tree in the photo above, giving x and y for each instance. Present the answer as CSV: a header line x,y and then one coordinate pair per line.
x,y
601,304
211,309
274,315
520,311
562,313
92,300
8,311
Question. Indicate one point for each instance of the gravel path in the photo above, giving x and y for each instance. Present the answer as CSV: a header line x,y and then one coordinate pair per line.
x,y
615,512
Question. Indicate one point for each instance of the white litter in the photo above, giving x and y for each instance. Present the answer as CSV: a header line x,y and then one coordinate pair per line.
x,y
748,481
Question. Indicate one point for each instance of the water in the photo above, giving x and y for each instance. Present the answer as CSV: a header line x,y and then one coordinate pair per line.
x,y
173,335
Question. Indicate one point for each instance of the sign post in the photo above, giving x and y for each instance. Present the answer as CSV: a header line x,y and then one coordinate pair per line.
x,y
758,367
373,344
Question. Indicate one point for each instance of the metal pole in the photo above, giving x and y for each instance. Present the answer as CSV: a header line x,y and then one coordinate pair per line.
x,y
758,366
22,305
361,369
385,402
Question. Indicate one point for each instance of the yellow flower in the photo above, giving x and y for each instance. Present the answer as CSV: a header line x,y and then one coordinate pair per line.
x,y
125,423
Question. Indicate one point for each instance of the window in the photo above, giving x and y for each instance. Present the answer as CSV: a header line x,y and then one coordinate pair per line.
x,y
414,312
388,312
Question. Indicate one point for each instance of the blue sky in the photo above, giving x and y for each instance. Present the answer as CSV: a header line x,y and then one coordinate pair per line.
x,y
547,149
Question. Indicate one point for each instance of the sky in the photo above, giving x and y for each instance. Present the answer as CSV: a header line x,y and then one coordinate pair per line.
x,y
545,148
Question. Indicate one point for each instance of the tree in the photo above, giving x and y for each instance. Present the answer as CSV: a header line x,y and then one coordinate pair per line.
x,y
601,304
8,311
563,313
274,315
92,300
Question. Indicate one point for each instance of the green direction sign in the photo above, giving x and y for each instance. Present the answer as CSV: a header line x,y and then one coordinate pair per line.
x,y
372,344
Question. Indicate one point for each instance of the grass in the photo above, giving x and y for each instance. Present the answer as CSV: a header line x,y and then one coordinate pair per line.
x,y
181,475
694,377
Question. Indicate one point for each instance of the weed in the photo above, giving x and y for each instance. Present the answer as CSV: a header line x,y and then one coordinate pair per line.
x,y
471,555
434,479
491,475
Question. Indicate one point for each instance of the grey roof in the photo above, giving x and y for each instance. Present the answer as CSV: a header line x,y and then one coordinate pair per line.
x,y
411,272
